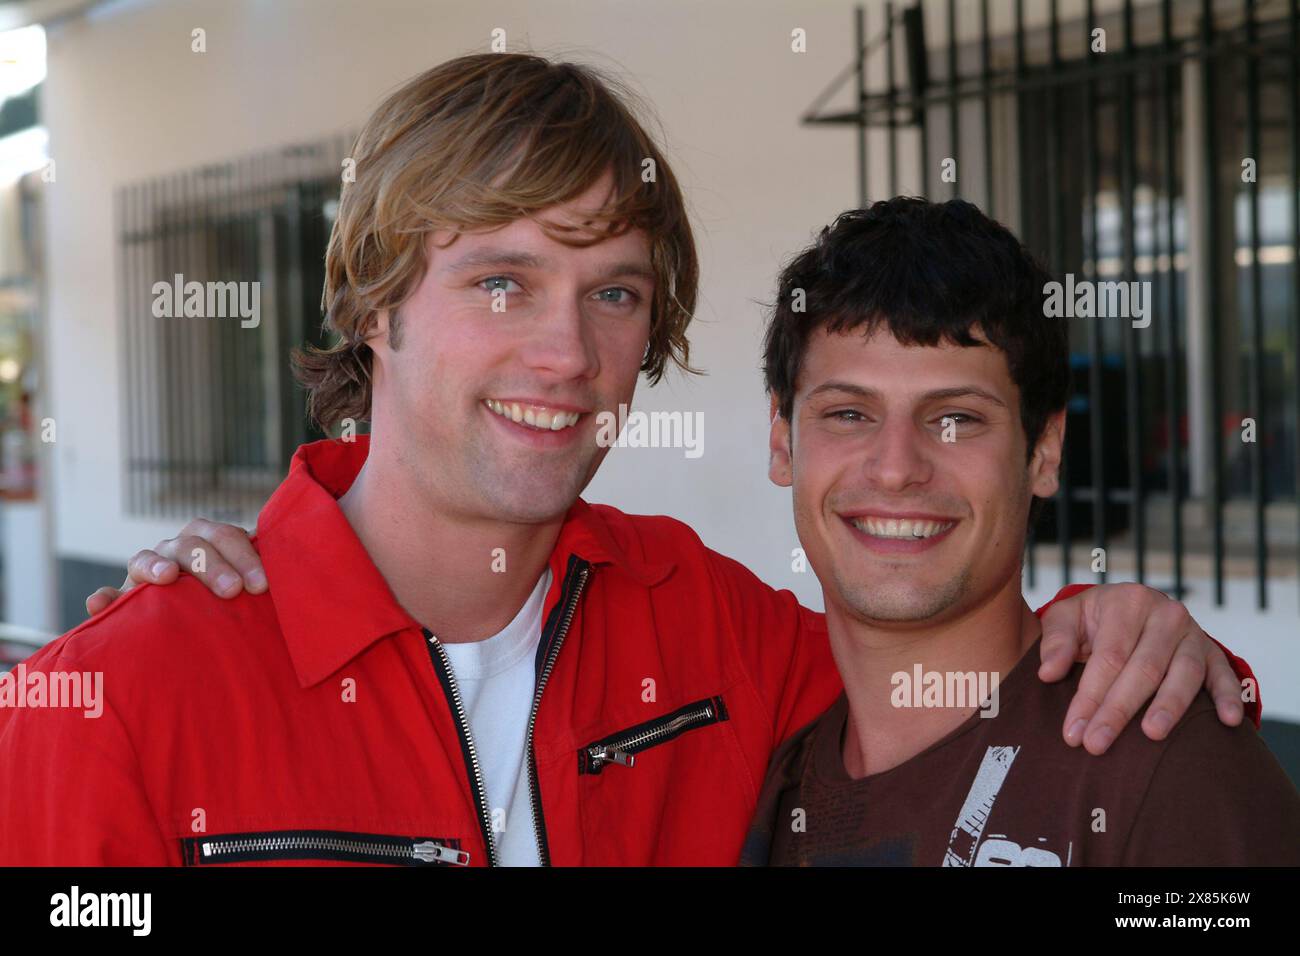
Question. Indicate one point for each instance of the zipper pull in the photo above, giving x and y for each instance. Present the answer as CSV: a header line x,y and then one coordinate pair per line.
x,y
603,755
430,852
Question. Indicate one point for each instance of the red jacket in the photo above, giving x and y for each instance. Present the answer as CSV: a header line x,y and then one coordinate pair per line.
x,y
317,723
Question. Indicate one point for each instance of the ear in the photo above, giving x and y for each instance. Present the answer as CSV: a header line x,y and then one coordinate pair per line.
x,y
378,335
780,467
1045,465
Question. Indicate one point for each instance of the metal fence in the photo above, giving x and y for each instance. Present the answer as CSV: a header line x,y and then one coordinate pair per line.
x,y
1152,142
212,414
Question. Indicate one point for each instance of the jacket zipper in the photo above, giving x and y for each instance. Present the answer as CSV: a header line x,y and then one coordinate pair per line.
x,y
442,666
621,749
320,844
582,570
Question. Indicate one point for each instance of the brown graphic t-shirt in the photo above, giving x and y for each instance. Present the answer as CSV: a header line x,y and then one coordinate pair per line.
x,y
1007,791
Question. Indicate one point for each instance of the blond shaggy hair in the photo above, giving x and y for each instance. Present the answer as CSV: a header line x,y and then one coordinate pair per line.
x,y
475,143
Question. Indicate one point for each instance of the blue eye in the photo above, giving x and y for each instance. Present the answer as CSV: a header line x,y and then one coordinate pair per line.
x,y
495,283
627,296
842,414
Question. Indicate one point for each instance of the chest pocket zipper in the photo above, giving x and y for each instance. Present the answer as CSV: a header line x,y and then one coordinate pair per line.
x,y
621,748
336,845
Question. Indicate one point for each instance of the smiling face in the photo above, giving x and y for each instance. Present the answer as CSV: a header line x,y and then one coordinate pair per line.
x,y
899,524
495,411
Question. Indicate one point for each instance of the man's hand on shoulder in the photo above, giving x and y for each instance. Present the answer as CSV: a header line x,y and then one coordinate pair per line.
x,y
220,555
1139,644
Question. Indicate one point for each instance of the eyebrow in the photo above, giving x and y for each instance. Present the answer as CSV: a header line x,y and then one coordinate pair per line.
x,y
511,259
494,259
957,391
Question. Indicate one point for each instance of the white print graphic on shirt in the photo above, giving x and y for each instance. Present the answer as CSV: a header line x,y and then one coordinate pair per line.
x,y
975,810
964,846
997,850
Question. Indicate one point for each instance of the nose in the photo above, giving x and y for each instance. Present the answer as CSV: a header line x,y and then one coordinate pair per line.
x,y
562,342
898,455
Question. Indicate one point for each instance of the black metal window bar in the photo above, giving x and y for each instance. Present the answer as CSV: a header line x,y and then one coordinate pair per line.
x,y
1127,162
211,412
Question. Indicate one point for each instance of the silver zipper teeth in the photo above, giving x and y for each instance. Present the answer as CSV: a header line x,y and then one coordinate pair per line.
x,y
533,792
473,753
263,844
646,736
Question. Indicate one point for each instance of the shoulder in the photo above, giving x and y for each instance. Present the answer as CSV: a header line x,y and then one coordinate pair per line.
x,y
1051,701
1198,726
786,771
1216,797
710,577
1201,745
653,536
1201,760
659,538
143,668
160,631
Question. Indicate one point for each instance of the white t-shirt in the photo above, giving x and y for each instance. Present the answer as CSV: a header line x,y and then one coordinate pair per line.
x,y
497,678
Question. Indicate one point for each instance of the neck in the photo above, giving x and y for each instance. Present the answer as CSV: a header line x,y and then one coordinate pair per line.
x,y
990,640
440,566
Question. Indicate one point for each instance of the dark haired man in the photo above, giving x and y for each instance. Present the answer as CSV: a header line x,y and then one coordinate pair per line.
x,y
918,411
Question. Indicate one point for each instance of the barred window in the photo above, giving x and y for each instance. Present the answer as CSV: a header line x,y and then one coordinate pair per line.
x,y
221,275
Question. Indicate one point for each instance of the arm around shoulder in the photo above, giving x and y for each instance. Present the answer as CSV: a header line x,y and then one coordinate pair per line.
x,y
782,645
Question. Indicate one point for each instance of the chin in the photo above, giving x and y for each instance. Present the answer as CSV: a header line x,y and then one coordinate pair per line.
x,y
527,490
526,506
900,602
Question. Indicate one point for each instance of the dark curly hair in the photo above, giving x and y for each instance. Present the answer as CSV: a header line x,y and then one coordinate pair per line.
x,y
930,273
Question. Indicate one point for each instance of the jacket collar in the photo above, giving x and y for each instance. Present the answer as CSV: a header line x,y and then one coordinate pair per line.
x,y
330,599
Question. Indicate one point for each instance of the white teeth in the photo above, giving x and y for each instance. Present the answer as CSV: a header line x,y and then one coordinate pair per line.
x,y
900,527
542,419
